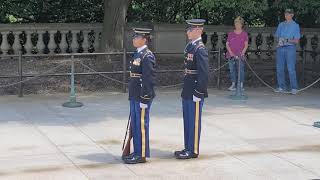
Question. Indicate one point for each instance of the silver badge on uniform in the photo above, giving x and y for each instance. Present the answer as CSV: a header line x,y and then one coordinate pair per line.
x,y
137,62
190,57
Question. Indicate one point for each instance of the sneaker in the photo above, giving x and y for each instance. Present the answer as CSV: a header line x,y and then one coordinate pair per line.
x,y
232,87
242,88
294,91
279,90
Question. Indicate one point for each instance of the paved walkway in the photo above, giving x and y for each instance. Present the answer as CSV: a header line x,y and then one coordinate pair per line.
x,y
269,136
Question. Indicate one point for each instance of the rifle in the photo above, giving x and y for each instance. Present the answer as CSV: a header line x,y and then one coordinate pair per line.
x,y
127,141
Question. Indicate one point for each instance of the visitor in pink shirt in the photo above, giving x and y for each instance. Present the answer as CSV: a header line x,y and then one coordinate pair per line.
x,y
237,45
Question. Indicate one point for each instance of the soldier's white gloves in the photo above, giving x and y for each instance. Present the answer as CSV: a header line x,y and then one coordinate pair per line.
x,y
196,99
143,106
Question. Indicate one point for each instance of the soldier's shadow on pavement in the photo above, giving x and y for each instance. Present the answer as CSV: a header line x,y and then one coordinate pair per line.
x,y
103,159
161,154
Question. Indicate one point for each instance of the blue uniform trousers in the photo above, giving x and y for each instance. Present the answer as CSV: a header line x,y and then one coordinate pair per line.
x,y
192,124
140,128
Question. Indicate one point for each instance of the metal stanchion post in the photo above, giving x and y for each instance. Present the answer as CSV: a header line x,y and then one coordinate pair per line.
x,y
124,69
219,71
20,75
72,101
239,94
303,65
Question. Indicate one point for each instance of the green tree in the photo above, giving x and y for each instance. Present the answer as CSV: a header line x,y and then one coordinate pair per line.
x,y
307,11
113,13
217,12
50,11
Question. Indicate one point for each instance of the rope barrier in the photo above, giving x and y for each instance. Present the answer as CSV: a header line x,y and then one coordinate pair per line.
x,y
123,83
163,87
107,77
266,84
37,76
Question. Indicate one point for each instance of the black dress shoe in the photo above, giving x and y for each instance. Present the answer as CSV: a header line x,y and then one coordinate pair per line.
x,y
176,153
135,160
186,155
128,156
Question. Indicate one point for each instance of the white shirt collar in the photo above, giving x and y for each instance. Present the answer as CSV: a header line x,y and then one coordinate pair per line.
x,y
196,40
141,48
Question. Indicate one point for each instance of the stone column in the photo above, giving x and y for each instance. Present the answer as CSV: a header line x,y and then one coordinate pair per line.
x,y
28,45
40,44
16,45
51,44
85,41
63,44
74,44
4,45
97,41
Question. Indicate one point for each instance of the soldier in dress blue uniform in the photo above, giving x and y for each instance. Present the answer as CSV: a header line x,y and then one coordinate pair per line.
x,y
194,88
141,94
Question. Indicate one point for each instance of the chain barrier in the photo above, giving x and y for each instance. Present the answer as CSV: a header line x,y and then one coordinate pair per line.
x,y
210,70
266,84
107,77
309,86
219,68
124,83
162,87
91,69
38,75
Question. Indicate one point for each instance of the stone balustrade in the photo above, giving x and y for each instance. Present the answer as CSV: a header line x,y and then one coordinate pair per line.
x,y
49,38
71,38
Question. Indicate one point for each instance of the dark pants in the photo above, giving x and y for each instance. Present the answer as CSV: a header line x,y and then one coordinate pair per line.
x,y
192,124
140,128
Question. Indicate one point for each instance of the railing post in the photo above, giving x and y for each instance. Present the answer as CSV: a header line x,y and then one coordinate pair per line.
x,y
124,69
219,70
20,94
72,101
303,65
239,94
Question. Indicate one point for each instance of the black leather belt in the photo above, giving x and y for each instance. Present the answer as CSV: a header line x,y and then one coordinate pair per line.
x,y
135,75
189,71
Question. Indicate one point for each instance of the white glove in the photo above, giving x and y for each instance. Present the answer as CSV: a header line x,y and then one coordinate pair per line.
x,y
143,106
196,99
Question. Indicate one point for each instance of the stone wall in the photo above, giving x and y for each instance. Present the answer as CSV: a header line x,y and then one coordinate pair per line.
x,y
168,38
65,38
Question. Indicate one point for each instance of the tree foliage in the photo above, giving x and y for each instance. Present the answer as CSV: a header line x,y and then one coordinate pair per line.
x,y
49,11
217,12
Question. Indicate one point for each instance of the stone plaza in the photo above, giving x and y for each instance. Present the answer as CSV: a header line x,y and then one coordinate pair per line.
x,y
268,136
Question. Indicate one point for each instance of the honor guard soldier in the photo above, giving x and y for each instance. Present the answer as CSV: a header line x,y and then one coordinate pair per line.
x,y
141,94
194,88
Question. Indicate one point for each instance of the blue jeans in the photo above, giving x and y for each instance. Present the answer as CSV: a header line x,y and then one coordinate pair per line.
x,y
286,56
233,67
